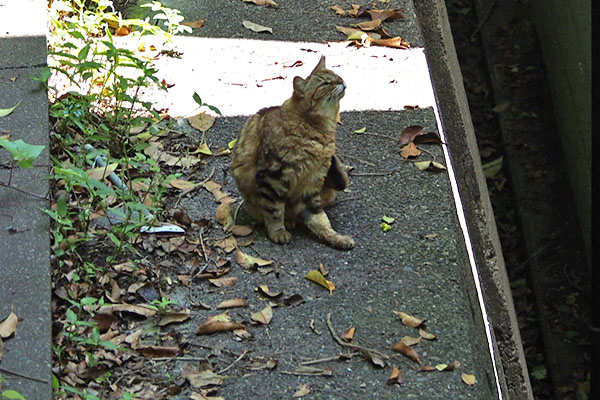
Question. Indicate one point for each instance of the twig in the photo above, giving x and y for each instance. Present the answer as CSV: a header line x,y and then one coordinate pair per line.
x,y
179,359
6,371
233,363
339,341
383,173
326,359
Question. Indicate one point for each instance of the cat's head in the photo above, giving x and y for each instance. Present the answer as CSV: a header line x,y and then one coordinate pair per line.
x,y
321,90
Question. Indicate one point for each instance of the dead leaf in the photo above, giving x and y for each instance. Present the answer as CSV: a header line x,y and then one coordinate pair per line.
x,y
409,134
224,216
201,378
174,316
263,316
410,341
469,379
410,150
228,244
224,282
338,10
426,335
241,230
317,277
249,262
269,3
203,149
202,121
396,377
218,323
409,320
348,334
314,371
303,390
408,351
368,25
143,310
101,172
395,42
182,184
383,15
256,27
232,303
293,300
194,24
375,359
265,291
9,325
159,351
429,165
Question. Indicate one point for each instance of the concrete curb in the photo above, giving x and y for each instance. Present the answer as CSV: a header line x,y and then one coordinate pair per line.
x,y
448,84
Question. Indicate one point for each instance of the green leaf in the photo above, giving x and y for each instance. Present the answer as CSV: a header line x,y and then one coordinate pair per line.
x,y
12,394
361,130
24,154
197,99
71,316
388,220
231,144
385,227
539,372
5,111
215,109
61,206
83,53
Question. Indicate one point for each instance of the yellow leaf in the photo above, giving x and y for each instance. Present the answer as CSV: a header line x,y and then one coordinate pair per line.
x,y
8,326
469,379
203,149
317,277
263,316
101,172
409,320
246,261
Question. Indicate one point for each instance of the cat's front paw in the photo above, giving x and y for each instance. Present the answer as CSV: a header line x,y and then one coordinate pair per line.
x,y
281,237
343,242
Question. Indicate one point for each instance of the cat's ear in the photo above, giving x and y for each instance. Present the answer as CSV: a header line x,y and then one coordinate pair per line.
x,y
299,86
320,65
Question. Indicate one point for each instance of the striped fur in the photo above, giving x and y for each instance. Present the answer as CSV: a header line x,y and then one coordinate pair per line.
x,y
284,161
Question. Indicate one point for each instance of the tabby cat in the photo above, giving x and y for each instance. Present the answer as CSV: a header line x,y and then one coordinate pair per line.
x,y
284,161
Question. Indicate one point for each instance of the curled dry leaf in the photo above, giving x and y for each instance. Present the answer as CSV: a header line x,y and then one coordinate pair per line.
x,y
174,316
241,230
232,303
383,15
246,261
409,320
202,377
293,300
408,351
224,282
269,3
348,334
159,351
265,291
224,216
409,134
303,390
263,316
9,325
368,25
426,335
218,323
194,24
374,358
253,26
410,341
142,310
469,379
182,184
396,377
432,166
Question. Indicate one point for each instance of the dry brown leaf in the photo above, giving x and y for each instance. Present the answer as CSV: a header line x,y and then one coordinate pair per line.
x,y
218,323
383,15
263,316
396,377
202,377
194,24
375,359
408,351
253,26
410,341
228,244
409,134
9,325
224,215
395,42
410,150
142,310
232,303
338,10
426,335
159,351
174,316
368,25
269,3
202,121
303,390
241,230
265,291
348,334
224,282
409,320
182,184
100,173
246,261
